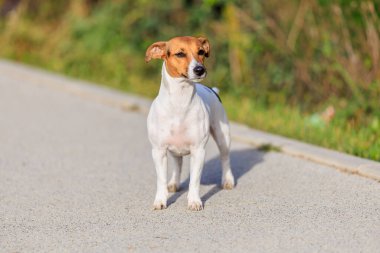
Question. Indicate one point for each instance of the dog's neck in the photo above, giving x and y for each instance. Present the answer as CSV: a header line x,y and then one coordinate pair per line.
x,y
176,92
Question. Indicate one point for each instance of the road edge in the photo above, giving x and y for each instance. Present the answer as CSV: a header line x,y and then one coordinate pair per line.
x,y
128,102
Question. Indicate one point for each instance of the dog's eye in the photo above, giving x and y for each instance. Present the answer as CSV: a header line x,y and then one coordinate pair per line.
x,y
180,55
201,52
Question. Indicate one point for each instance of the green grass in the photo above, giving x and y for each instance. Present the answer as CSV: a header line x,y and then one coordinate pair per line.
x,y
289,121
269,148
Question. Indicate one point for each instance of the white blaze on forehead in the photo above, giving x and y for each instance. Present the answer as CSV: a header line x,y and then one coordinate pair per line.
x,y
190,70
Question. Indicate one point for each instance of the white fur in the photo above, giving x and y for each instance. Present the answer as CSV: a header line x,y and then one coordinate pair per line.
x,y
190,73
180,121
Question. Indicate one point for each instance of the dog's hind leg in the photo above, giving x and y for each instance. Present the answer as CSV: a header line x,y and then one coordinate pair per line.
x,y
174,183
220,131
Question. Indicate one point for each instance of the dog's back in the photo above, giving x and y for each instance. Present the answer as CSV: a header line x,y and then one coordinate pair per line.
x,y
211,99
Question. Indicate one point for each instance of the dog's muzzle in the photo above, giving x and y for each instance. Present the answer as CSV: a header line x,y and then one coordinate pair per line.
x,y
196,71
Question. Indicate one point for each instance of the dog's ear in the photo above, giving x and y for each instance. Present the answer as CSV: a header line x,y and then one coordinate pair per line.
x,y
155,51
205,45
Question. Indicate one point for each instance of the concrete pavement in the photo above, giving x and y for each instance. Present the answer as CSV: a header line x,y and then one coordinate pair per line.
x,y
76,175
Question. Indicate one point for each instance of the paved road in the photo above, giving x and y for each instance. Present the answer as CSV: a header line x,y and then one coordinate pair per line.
x,y
76,176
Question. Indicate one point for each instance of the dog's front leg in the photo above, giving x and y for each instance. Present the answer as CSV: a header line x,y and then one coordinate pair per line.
x,y
196,165
161,163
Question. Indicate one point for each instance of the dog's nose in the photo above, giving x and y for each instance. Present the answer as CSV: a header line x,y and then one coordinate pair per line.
x,y
199,70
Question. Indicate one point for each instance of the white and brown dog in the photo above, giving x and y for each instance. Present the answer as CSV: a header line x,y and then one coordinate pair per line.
x,y
182,117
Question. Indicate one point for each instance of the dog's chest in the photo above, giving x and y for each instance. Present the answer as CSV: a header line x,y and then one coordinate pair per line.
x,y
179,137
178,128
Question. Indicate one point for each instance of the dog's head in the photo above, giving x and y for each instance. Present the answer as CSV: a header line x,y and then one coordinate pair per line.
x,y
183,56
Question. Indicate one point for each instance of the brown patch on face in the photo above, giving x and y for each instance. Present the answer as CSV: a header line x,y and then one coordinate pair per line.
x,y
178,53
181,51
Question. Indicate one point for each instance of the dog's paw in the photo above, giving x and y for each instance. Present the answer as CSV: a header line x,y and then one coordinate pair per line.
x,y
195,205
159,205
172,187
228,183
228,186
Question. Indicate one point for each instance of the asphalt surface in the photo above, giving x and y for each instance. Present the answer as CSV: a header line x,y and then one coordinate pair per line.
x,y
77,176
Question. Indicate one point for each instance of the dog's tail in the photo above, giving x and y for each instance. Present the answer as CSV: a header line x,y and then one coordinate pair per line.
x,y
216,90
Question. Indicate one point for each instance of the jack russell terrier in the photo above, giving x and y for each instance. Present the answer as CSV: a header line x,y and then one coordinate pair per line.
x,y
183,116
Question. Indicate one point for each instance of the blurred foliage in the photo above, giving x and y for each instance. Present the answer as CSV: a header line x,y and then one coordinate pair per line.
x,y
276,62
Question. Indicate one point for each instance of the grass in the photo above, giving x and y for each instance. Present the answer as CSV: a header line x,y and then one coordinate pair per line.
x,y
290,122
269,148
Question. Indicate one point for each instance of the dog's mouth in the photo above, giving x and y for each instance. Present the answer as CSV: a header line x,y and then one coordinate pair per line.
x,y
195,78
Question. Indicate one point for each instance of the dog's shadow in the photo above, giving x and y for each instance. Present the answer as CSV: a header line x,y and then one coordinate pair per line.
x,y
242,161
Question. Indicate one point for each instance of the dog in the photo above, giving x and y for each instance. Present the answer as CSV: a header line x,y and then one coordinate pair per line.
x,y
183,116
